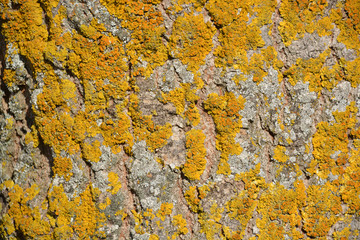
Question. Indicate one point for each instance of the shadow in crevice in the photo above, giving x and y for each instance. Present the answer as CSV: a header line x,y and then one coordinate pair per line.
x,y
46,151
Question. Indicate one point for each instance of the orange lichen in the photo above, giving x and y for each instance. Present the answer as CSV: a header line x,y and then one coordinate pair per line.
x,y
300,16
9,77
350,183
62,167
91,151
192,115
280,213
192,199
314,72
351,71
330,138
279,154
165,210
348,23
115,184
241,207
79,216
316,223
180,223
91,106
237,33
145,129
32,137
210,222
154,237
183,98
191,40
21,215
144,20
195,155
225,112
176,97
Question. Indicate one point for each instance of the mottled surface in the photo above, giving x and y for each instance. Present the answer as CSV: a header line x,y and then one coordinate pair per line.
x,y
174,119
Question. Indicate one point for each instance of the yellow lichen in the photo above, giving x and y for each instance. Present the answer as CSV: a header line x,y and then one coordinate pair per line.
x,y
115,184
314,72
145,129
300,16
21,216
62,167
279,154
210,222
165,210
78,216
330,138
144,20
192,199
91,151
180,223
225,113
191,40
195,155
192,115
32,137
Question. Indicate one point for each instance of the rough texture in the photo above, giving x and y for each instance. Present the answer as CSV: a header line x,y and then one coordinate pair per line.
x,y
174,119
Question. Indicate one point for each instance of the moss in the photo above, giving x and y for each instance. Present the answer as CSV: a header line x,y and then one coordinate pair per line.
x,y
225,113
191,40
195,155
